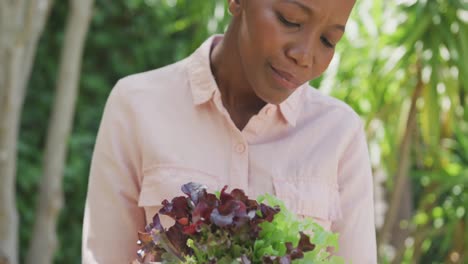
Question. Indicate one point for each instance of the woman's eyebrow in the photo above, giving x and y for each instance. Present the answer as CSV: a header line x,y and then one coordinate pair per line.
x,y
300,4
310,10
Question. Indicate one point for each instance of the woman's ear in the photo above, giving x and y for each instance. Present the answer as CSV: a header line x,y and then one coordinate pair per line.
x,y
234,7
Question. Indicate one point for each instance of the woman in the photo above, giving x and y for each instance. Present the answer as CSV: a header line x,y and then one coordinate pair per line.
x,y
238,111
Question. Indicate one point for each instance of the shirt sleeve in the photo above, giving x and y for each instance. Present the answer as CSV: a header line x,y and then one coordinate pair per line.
x,y
357,243
112,217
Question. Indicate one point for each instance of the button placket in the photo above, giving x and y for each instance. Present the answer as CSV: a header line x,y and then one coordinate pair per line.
x,y
259,122
240,164
270,111
240,148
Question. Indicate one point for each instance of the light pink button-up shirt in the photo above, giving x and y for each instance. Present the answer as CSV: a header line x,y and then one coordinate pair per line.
x,y
166,127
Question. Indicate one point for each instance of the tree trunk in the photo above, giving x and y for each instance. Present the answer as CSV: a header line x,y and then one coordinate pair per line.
x,y
405,212
21,24
404,163
44,241
458,252
420,232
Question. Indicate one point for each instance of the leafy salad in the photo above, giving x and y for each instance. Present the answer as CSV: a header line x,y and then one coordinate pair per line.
x,y
228,228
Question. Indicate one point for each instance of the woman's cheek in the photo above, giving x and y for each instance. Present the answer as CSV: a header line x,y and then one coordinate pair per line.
x,y
322,61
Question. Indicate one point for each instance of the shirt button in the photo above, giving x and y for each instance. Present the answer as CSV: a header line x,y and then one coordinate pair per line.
x,y
240,148
270,111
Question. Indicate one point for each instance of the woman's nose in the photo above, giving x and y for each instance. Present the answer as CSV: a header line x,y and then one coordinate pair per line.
x,y
302,52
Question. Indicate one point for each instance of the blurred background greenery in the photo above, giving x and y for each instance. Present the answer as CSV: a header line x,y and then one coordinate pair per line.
x,y
403,66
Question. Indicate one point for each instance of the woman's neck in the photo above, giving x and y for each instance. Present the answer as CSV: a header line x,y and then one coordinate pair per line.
x,y
237,94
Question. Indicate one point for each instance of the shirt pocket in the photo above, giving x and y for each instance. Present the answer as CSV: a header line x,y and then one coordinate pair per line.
x,y
165,182
310,197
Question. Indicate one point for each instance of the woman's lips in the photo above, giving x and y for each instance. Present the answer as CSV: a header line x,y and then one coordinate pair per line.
x,y
284,79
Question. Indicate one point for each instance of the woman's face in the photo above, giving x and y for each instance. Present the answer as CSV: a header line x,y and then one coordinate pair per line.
x,y
285,43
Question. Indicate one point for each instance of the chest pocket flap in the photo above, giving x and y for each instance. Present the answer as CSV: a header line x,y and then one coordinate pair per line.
x,y
166,183
310,197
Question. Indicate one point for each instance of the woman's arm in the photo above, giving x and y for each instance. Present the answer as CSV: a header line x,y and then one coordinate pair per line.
x,y
112,216
356,227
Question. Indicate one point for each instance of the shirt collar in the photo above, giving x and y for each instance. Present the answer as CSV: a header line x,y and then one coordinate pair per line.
x,y
291,107
203,84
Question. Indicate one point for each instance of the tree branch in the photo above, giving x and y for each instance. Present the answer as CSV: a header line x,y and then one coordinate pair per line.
x,y
404,163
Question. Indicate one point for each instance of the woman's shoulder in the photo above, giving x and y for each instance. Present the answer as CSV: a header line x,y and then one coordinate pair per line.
x,y
160,78
318,103
154,86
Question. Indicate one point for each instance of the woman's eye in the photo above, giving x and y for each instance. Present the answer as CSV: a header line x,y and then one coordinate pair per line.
x,y
326,42
286,22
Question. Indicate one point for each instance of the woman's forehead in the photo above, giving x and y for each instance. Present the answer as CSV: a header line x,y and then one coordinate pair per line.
x,y
336,9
